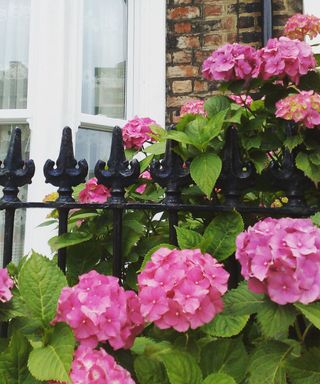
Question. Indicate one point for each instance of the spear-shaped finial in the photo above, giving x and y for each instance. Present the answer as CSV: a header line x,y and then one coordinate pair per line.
x,y
68,172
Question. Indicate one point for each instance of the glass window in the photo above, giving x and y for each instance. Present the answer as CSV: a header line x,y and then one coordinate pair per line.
x,y
20,216
14,43
92,145
104,57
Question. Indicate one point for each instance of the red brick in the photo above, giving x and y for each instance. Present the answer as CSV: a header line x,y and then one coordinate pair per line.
x,y
182,71
187,41
213,10
176,101
178,13
182,57
200,86
202,55
184,86
212,41
182,1
182,27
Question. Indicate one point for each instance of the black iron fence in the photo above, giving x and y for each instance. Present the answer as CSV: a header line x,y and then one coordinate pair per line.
x,y
171,173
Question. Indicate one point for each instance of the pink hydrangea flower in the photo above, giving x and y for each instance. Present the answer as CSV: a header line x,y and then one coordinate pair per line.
x,y
94,192
144,175
232,62
245,100
6,284
299,26
98,309
281,257
303,107
181,289
137,131
97,367
285,57
194,107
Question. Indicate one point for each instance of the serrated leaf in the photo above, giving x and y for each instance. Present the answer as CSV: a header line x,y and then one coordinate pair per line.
x,y
225,325
181,368
156,149
267,364
227,356
53,362
40,283
241,301
205,170
13,362
188,239
292,142
149,371
216,104
219,238
274,320
219,378
311,312
305,369
307,167
69,239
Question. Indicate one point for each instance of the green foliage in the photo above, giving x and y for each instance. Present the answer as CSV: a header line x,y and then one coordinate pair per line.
x,y
40,283
311,312
218,378
53,362
305,369
226,325
150,371
188,239
69,239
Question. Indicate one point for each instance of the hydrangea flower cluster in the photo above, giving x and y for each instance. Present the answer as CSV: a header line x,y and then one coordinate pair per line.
x,y
303,107
144,175
232,62
6,284
94,192
98,309
137,131
241,99
299,26
281,257
97,367
285,57
194,107
181,289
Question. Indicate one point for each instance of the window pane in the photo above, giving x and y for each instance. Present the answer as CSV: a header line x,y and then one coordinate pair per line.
x,y
14,43
92,145
104,57
20,216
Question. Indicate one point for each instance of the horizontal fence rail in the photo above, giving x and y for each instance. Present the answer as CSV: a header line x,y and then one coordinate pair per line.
x,y
171,173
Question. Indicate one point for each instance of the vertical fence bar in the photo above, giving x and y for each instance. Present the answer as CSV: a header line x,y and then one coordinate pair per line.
x,y
117,242
266,20
8,236
173,221
63,228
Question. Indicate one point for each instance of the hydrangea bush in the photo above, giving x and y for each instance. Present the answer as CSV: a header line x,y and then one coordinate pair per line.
x,y
237,300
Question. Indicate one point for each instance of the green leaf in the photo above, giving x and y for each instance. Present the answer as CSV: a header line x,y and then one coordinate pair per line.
x,y
227,356
53,362
219,238
309,169
205,170
132,232
225,325
31,329
144,163
188,239
219,378
259,160
216,104
241,301
13,362
181,368
180,137
40,283
267,364
311,312
305,369
149,371
152,251
157,148
69,239
274,319
316,219
292,142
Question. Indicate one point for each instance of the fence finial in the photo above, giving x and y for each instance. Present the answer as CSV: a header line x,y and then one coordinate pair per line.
x,y
68,172
236,174
119,173
15,171
171,172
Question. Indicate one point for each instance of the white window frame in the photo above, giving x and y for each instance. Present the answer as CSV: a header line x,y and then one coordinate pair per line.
x,y
55,86
311,7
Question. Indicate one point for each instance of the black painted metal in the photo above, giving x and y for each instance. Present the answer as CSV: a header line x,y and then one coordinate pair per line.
x,y
119,173
63,228
68,172
8,236
267,14
15,172
117,242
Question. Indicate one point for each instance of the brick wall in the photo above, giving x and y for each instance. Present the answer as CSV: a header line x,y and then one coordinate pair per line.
x,y
196,27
